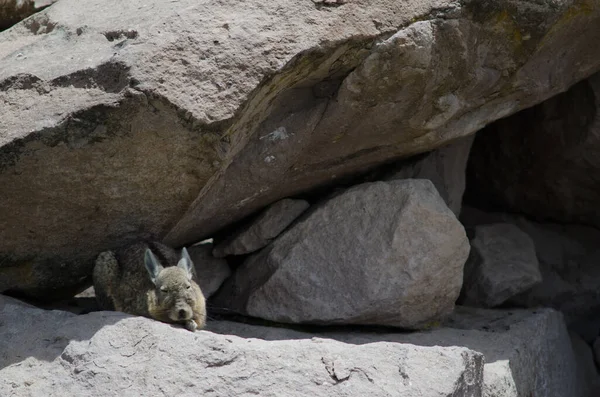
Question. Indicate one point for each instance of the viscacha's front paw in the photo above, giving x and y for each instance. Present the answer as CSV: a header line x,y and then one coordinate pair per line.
x,y
191,325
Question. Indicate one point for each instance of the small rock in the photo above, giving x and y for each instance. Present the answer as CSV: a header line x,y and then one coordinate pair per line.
x,y
268,225
385,253
502,264
568,256
211,272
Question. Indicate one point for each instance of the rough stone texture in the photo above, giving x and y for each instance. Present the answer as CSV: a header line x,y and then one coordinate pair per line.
x,y
544,161
527,352
246,102
52,353
13,11
386,253
210,271
260,231
445,167
502,263
111,354
568,256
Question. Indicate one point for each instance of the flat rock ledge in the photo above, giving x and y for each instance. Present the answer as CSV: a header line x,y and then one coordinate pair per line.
x,y
108,353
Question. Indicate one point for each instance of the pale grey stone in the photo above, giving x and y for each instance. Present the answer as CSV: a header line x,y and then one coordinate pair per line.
x,y
386,253
54,353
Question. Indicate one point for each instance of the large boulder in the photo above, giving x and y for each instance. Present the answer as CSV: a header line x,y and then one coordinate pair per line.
x,y
526,353
543,161
170,120
385,253
502,264
112,354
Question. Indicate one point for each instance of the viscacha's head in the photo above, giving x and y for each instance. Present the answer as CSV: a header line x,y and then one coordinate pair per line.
x,y
176,292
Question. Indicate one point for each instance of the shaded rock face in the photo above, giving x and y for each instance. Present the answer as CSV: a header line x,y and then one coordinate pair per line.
x,y
543,161
479,353
585,361
385,253
502,263
173,120
211,272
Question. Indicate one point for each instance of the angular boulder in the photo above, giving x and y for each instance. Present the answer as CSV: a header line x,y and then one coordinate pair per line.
x,y
112,354
385,253
543,161
171,120
261,230
502,263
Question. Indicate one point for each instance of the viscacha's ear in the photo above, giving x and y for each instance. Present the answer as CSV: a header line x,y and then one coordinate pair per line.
x,y
186,263
152,265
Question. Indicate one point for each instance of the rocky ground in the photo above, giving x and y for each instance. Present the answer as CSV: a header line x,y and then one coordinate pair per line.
x,y
390,199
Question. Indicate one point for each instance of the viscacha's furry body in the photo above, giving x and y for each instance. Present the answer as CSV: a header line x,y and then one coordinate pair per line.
x,y
150,279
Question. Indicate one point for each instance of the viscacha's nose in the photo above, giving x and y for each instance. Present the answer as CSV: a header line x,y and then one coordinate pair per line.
x,y
181,313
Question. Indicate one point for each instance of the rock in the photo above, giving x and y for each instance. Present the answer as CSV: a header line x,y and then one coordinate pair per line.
x,y
502,263
247,102
13,11
525,353
268,225
211,272
445,167
543,161
104,353
568,256
586,366
385,253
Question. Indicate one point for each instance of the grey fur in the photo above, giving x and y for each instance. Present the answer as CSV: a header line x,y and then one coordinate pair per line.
x,y
147,279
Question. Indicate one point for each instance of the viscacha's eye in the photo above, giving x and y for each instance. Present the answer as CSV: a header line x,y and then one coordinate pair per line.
x,y
189,286
163,289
